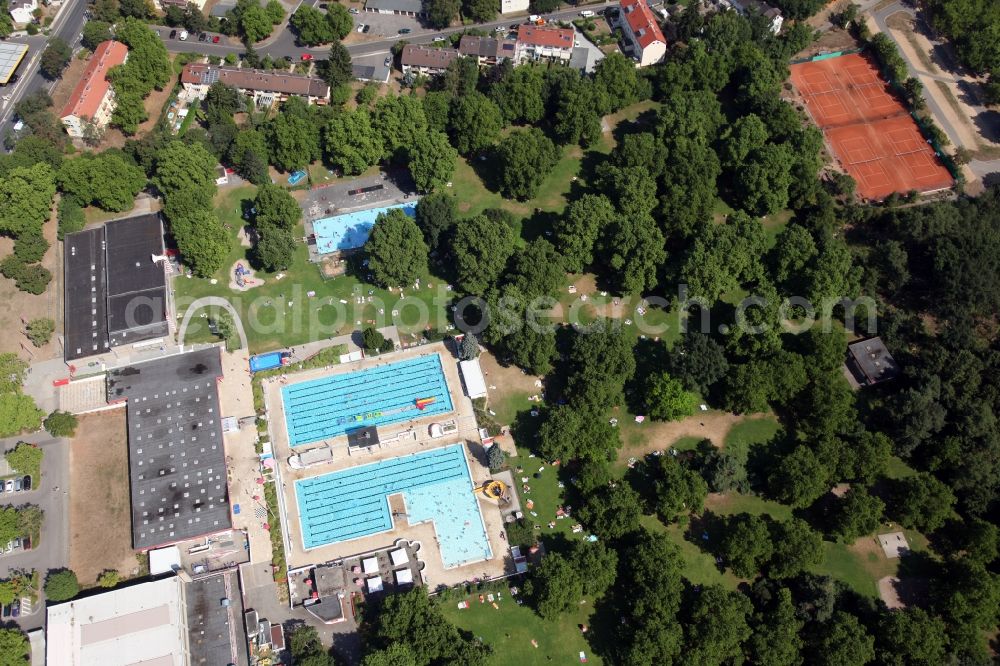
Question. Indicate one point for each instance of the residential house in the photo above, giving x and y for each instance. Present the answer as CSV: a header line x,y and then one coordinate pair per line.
x,y
486,50
543,42
413,8
93,99
377,73
265,87
425,59
772,14
870,362
22,11
641,33
513,6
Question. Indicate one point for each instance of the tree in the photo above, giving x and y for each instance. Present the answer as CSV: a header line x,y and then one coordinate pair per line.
x,y
537,270
275,207
26,198
799,479
797,548
402,123
13,371
294,141
481,249
397,254
911,637
432,161
480,11
306,648
202,240
612,511
576,119
275,249
372,339
18,413
436,216
573,434
95,32
109,578
340,20
602,360
496,457
252,21
716,626
40,331
746,544
31,246
921,502
338,69
697,361
54,58
222,102
14,647
679,490
106,180
556,586
61,424
33,279
617,77
469,348
525,158
441,12
725,470
776,640
584,221
71,217
634,246
856,515
275,12
844,641
351,142
667,400
61,585
26,459
474,123
397,654
520,94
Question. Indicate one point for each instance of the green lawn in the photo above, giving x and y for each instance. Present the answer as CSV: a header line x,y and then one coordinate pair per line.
x,y
281,313
511,628
698,566
750,432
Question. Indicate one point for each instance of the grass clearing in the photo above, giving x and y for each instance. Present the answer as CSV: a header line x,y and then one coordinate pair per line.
x,y
698,566
750,432
510,628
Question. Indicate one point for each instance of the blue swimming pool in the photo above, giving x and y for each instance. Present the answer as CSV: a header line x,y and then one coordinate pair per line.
x,y
334,405
350,230
436,486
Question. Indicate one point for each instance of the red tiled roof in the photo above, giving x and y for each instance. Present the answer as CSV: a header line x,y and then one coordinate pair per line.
x,y
254,79
415,55
560,38
92,88
642,21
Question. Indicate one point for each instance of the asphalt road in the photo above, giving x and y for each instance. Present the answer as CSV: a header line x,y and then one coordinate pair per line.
x,y
53,550
67,25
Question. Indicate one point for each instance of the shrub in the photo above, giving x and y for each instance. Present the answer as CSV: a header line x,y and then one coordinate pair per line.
x,y
496,457
61,585
40,331
71,217
26,459
109,578
30,247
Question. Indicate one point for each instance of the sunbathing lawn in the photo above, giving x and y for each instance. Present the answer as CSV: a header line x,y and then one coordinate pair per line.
x,y
273,323
511,628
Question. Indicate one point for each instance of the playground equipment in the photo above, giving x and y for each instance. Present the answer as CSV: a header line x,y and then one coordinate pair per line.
x,y
422,403
242,272
494,490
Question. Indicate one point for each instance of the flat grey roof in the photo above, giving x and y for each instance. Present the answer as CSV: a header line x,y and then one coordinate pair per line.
x,y
216,635
874,359
177,466
11,54
85,308
411,6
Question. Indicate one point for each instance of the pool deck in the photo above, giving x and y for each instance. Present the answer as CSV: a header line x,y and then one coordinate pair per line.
x,y
413,437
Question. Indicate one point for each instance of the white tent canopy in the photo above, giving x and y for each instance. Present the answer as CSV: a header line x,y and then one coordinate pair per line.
x,y
404,577
374,584
475,383
399,557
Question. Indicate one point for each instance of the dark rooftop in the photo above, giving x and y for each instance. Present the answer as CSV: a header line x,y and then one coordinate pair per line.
x,y
216,635
115,293
872,360
177,466
86,322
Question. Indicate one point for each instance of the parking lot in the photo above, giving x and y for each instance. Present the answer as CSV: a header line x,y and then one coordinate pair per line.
x,y
50,494
382,26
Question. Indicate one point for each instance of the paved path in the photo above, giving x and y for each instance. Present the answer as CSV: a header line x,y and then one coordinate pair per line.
x,y
53,550
213,301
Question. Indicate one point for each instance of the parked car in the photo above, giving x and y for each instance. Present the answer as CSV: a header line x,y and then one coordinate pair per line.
x,y
367,29
10,485
173,34
586,13
183,36
500,28
437,40
6,611
404,31
388,61
17,485
534,18
354,10
361,27
306,57
26,543
26,484
15,608
202,37
215,40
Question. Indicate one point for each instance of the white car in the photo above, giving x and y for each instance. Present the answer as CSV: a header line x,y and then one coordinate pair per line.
x,y
353,10
361,27
183,36
534,18
438,39
10,485
586,13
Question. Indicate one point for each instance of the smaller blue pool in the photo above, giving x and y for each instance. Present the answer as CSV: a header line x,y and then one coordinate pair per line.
x,y
350,230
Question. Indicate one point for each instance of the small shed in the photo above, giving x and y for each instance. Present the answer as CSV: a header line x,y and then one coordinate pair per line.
x,y
472,375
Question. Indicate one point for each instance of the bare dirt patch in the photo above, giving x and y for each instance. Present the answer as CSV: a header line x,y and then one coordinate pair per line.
x,y
70,77
830,41
100,511
655,436
20,307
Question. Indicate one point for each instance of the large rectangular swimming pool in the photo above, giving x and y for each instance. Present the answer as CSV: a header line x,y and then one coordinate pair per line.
x,y
436,486
334,405
351,230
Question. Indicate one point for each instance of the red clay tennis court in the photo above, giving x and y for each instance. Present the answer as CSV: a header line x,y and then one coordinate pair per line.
x,y
869,130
